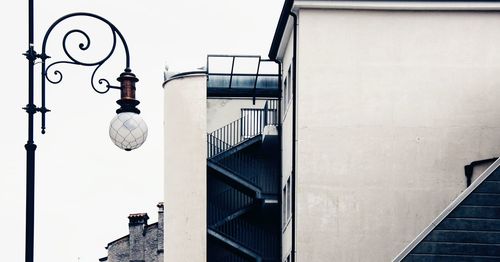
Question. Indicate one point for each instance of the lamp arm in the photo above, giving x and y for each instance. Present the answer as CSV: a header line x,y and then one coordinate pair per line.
x,y
70,59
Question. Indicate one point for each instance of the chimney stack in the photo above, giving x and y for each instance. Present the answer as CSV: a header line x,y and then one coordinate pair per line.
x,y
160,227
137,239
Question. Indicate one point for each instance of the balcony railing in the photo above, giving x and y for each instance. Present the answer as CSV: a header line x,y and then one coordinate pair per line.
x,y
250,124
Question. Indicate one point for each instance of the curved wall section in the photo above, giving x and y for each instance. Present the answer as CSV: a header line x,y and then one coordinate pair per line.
x,y
185,169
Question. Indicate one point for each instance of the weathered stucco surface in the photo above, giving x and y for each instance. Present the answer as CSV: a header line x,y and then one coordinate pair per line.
x,y
185,169
391,106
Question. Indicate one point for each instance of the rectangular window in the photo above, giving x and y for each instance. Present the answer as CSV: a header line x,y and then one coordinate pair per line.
x,y
288,200
287,91
285,96
284,200
289,95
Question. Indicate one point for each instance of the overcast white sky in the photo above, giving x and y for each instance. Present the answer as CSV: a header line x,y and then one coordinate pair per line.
x,y
85,186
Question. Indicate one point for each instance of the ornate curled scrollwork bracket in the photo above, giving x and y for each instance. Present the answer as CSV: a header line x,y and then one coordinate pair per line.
x,y
55,77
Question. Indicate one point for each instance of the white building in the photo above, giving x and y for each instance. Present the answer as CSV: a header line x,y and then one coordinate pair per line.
x,y
383,104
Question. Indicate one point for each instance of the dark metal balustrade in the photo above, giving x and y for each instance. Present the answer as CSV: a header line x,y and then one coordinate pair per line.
x,y
227,203
262,240
244,175
250,124
215,145
258,170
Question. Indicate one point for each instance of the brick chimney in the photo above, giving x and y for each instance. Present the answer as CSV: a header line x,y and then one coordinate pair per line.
x,y
137,239
160,227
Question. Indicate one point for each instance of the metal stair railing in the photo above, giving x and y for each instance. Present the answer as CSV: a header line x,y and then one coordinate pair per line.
x,y
234,245
215,146
268,115
256,171
234,180
260,240
250,124
226,203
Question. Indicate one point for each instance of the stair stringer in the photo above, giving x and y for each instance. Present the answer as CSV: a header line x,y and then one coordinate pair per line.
x,y
236,148
235,246
491,171
234,180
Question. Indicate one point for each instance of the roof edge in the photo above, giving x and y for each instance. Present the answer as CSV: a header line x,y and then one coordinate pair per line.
x,y
280,29
127,236
435,5
185,74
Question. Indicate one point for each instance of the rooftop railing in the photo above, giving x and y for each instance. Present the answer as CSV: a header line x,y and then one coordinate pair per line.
x,y
242,76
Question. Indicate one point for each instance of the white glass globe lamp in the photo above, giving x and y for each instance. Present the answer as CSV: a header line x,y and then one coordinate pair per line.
x,y
128,131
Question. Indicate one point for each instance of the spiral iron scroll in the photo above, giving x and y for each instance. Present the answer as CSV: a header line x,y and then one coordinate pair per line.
x,y
84,45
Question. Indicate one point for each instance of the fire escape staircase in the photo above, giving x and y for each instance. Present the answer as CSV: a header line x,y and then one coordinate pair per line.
x,y
244,187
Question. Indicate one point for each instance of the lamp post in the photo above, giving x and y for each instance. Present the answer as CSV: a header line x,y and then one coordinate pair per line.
x,y
127,130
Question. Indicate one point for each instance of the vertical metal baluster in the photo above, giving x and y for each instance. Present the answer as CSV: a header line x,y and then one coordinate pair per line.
x,y
250,121
230,197
269,113
265,114
253,120
257,122
260,122
238,197
254,117
231,228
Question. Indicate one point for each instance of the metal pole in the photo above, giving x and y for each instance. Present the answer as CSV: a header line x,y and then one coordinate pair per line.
x,y
30,145
127,103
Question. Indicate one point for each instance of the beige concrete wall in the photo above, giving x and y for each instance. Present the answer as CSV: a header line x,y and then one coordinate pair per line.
x,y
185,169
392,105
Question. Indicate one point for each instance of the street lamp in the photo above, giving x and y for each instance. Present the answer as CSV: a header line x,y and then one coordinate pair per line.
x,y
127,130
